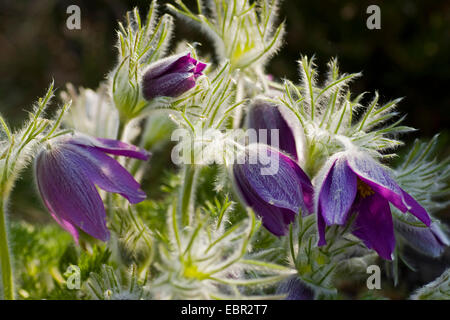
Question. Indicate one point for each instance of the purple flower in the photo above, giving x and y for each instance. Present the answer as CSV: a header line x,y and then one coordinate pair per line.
x,y
354,182
431,241
295,289
172,76
264,115
277,197
67,172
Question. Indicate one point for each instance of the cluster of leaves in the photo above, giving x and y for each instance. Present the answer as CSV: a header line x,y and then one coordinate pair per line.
x,y
43,255
17,149
243,32
332,118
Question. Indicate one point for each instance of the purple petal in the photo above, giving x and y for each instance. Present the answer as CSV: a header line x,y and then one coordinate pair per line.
x,y
66,225
111,146
374,225
321,228
441,237
416,209
428,240
183,64
295,289
104,171
307,188
199,68
170,85
264,115
177,63
171,77
70,195
378,178
283,188
337,193
277,197
274,219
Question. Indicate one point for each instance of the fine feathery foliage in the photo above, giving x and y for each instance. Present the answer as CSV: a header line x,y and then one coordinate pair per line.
x,y
149,173
438,289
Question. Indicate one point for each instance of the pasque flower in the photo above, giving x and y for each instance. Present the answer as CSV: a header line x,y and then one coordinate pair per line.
x,y
172,76
69,168
431,241
353,182
267,116
277,197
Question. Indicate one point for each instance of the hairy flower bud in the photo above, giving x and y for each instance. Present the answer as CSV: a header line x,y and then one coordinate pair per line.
x,y
172,76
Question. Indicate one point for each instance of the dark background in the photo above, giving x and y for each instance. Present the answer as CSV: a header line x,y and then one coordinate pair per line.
x,y
408,57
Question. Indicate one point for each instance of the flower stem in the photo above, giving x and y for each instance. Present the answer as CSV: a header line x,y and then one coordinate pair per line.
x,y
5,256
186,193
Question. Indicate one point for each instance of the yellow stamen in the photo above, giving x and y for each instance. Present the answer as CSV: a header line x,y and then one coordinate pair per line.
x,y
363,189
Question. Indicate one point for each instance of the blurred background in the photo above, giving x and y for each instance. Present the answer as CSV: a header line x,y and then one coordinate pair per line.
x,y
408,57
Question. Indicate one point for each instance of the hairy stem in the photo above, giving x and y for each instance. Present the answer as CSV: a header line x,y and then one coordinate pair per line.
x,y
5,255
187,193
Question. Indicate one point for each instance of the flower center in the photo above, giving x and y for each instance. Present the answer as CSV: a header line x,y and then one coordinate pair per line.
x,y
363,189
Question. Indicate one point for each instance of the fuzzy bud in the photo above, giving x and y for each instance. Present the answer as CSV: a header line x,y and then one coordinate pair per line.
x,y
172,76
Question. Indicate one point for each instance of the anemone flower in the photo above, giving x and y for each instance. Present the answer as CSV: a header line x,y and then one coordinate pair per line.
x,y
67,171
172,76
278,196
353,182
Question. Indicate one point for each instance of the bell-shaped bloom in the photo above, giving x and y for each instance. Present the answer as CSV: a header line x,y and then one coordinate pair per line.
x,y
354,182
67,172
172,76
295,289
431,241
274,186
263,115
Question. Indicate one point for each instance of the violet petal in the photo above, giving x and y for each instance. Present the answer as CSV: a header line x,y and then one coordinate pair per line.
x,y
295,289
321,228
170,85
199,68
378,178
374,225
105,172
277,197
168,64
416,209
111,146
66,225
70,195
337,193
263,115
429,240
274,219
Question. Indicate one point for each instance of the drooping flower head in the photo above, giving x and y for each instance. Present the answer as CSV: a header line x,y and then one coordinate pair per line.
x,y
353,182
69,168
276,197
172,76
